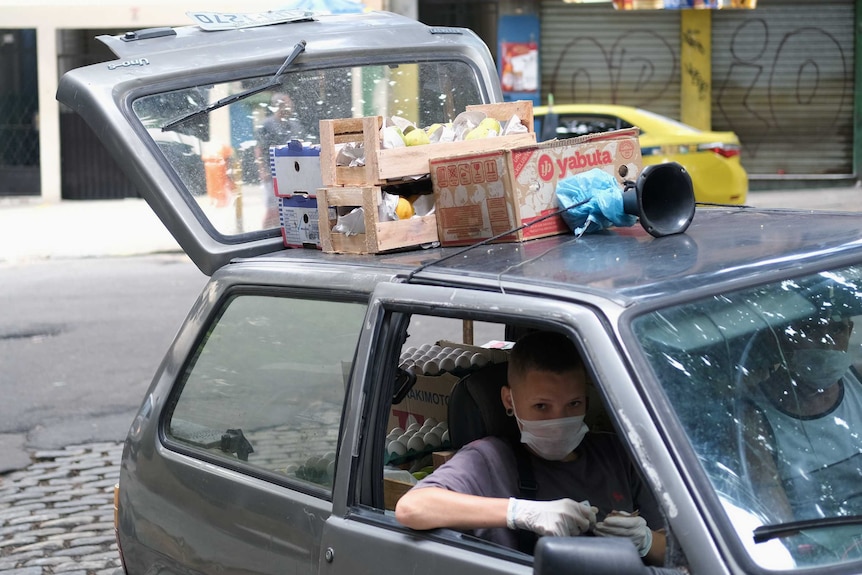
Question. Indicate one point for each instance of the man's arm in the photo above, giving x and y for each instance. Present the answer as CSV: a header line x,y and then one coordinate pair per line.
x,y
433,507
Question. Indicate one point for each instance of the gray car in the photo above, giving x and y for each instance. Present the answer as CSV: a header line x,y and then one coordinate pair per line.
x,y
275,437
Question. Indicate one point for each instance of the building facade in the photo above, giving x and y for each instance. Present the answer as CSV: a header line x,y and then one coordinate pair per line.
x,y
783,76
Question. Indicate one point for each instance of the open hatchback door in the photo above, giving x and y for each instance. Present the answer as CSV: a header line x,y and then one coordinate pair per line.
x,y
191,113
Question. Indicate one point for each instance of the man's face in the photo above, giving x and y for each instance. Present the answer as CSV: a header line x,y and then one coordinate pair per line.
x,y
544,395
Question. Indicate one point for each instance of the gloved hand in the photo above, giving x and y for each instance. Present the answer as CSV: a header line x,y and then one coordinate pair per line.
x,y
622,524
560,517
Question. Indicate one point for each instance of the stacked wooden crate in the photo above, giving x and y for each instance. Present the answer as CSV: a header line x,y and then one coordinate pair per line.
x,y
362,186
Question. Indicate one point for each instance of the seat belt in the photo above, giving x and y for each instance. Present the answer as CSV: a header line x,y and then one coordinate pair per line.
x,y
527,488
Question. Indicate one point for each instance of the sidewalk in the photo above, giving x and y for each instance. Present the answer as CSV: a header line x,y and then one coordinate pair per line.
x,y
34,230
31,229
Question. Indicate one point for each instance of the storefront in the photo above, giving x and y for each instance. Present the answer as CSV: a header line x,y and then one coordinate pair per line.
x,y
782,76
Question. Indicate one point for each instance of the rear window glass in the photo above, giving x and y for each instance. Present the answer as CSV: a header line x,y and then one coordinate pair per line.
x,y
222,158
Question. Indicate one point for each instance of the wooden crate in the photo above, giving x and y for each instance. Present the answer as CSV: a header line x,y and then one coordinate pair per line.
x,y
379,236
382,165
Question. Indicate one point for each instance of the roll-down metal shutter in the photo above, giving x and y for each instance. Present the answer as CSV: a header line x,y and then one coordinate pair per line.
x,y
595,54
783,80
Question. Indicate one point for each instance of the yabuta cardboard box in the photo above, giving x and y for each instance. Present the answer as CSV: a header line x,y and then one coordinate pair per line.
x,y
479,196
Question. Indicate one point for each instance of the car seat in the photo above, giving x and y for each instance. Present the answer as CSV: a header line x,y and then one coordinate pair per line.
x,y
475,409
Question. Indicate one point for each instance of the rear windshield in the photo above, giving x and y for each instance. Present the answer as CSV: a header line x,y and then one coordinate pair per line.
x,y
765,384
222,158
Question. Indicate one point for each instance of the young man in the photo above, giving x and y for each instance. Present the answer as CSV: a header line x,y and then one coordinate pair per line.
x,y
586,484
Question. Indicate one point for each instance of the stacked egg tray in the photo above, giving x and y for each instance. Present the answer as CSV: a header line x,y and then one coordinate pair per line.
x,y
406,445
417,441
430,359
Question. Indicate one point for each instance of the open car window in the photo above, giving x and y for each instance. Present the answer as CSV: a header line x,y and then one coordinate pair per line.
x,y
222,158
765,384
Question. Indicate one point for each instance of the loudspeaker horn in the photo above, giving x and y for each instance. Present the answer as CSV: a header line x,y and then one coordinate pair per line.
x,y
662,198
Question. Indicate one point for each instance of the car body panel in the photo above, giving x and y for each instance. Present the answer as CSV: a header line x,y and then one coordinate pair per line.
x,y
716,179
104,94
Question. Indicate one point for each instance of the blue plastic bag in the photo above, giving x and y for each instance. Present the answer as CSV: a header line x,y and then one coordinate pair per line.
x,y
604,205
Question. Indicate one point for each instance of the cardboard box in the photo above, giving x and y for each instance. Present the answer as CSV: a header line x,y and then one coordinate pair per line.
x,y
481,195
392,492
428,398
430,395
299,219
295,169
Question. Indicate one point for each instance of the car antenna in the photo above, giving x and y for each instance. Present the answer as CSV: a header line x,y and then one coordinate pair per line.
x,y
493,238
274,81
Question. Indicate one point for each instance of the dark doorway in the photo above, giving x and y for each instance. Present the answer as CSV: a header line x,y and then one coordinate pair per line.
x,y
88,171
477,15
19,114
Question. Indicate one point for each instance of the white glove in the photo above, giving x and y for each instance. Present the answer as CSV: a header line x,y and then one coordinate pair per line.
x,y
622,524
560,517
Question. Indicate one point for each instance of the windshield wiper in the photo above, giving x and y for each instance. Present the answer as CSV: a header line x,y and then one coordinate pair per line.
x,y
766,532
274,81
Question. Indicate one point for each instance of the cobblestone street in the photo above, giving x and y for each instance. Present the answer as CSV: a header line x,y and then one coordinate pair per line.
x,y
56,515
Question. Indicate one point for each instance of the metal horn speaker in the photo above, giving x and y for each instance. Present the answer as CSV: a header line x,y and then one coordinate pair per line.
x,y
662,198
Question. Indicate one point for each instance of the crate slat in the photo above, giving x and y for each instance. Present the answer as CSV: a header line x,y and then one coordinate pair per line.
x,y
385,165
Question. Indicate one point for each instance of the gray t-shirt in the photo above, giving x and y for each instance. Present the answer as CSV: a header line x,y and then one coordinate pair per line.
x,y
601,474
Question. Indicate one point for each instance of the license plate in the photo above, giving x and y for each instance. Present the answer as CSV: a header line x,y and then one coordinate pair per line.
x,y
232,20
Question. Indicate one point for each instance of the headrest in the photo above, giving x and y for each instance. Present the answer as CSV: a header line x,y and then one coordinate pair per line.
x,y
476,410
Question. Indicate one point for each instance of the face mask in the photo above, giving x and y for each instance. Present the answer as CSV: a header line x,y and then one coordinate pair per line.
x,y
818,369
553,439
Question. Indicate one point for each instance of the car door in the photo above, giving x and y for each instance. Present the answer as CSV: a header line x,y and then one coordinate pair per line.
x,y
229,465
362,536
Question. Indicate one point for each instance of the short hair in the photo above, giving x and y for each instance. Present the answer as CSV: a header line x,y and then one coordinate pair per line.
x,y
543,351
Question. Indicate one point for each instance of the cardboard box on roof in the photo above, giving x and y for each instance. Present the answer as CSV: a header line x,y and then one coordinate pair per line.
x,y
295,169
481,195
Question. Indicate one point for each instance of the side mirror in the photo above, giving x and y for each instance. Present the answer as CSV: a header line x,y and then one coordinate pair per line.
x,y
662,197
587,555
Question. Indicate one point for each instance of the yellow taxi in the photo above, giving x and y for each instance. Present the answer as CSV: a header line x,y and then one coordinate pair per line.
x,y
711,158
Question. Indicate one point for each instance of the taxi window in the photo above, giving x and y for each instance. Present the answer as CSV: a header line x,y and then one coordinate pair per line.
x,y
266,387
765,382
222,158
571,126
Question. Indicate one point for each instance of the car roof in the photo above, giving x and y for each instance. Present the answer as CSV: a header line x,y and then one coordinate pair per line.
x,y
722,249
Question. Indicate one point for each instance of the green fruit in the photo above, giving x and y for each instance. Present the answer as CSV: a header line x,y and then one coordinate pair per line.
x,y
433,128
486,128
419,475
416,137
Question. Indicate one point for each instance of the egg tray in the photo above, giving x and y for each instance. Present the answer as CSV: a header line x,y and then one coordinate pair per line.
x,y
413,455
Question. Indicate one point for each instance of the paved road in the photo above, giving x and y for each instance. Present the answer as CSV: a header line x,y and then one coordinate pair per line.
x,y
56,516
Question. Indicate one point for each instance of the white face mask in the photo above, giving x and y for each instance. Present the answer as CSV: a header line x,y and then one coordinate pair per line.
x,y
818,369
553,439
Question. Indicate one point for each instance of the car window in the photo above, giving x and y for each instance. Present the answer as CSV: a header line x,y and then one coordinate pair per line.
x,y
439,351
572,126
266,387
439,416
222,158
765,384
